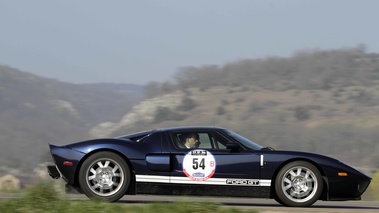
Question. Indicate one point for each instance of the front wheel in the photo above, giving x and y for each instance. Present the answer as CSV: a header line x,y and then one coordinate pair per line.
x,y
104,176
298,184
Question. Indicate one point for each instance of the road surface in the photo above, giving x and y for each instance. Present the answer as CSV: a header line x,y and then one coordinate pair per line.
x,y
262,205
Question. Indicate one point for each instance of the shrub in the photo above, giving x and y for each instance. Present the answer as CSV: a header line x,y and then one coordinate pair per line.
x,y
220,110
187,104
42,198
165,114
302,113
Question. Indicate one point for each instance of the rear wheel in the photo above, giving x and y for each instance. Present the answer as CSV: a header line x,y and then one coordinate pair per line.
x,y
104,176
298,184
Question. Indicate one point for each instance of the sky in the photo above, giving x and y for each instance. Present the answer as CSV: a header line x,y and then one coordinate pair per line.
x,y
141,41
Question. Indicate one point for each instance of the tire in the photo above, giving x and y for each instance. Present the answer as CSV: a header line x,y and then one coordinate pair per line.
x,y
104,176
298,184
279,201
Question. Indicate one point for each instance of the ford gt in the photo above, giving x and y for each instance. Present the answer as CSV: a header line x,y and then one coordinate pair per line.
x,y
218,163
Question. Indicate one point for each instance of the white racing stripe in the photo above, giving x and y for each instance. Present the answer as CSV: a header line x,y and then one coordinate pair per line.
x,y
265,183
210,181
153,178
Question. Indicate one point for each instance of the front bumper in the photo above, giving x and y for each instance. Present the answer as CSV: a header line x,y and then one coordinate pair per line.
x,y
348,189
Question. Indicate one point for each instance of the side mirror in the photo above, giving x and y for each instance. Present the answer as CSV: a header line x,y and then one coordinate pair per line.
x,y
233,146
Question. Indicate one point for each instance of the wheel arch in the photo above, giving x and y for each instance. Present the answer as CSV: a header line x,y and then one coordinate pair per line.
x,y
132,187
324,193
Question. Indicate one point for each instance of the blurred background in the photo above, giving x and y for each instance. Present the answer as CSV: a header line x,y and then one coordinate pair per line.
x,y
293,75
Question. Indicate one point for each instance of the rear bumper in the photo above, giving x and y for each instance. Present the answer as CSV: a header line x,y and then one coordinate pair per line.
x,y
66,161
53,171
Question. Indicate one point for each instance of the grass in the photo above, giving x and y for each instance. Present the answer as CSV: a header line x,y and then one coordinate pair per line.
x,y
44,198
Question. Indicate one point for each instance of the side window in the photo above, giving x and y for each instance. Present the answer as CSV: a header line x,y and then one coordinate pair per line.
x,y
220,142
205,141
202,139
211,140
178,139
189,139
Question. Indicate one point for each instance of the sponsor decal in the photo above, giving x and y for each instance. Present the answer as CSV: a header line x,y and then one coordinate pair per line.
x,y
249,182
199,152
198,174
199,165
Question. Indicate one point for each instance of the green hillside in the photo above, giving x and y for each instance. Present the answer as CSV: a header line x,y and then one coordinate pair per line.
x,y
318,101
35,111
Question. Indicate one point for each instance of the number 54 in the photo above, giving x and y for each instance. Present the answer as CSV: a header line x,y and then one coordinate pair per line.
x,y
196,164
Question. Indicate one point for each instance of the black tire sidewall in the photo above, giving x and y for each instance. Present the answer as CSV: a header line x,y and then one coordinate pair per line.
x,y
281,197
89,161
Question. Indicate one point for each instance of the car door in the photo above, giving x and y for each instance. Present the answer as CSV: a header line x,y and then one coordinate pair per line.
x,y
212,163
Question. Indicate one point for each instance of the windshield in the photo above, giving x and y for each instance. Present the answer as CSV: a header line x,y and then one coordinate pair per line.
x,y
244,141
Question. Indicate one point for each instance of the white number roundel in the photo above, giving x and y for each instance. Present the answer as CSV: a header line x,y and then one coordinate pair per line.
x,y
199,165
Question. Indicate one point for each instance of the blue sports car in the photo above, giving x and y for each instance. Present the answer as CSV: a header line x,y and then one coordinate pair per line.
x,y
209,161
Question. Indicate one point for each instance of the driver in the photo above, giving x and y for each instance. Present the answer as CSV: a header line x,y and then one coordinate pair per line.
x,y
191,140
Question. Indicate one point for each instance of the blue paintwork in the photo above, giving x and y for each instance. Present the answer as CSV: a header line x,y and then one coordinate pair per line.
x,y
158,163
61,154
153,153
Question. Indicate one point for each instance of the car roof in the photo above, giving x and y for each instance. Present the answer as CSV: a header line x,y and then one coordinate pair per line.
x,y
189,128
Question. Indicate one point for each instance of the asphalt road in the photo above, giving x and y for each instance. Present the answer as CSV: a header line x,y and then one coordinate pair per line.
x,y
262,205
